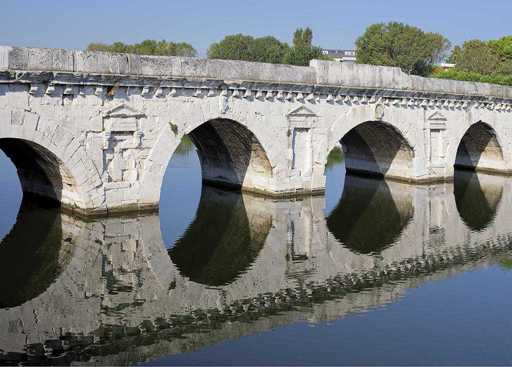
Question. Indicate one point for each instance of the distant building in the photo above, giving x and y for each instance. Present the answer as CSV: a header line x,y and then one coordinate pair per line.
x,y
341,55
445,66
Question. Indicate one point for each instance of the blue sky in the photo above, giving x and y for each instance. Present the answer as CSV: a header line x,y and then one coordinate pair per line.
x,y
336,23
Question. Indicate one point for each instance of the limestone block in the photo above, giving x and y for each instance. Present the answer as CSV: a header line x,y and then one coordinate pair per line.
x,y
131,195
97,199
116,185
101,62
24,118
17,117
50,59
121,125
5,116
130,175
157,65
4,88
94,149
115,168
113,198
49,100
38,59
93,124
62,136
17,96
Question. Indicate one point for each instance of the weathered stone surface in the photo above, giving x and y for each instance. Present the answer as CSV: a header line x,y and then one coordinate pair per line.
x,y
260,127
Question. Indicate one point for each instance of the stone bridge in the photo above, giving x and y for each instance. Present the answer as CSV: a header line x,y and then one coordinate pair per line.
x,y
96,131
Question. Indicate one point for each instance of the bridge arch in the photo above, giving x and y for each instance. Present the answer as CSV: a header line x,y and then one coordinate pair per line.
x,y
53,165
480,149
377,148
229,152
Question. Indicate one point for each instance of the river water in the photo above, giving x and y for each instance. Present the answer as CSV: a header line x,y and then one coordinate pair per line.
x,y
374,272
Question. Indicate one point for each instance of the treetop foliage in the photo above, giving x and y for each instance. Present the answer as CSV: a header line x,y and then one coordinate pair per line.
x,y
481,61
267,49
469,76
402,45
475,56
146,47
303,37
248,48
390,44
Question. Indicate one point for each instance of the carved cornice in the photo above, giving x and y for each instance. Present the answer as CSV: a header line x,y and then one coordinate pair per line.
x,y
109,86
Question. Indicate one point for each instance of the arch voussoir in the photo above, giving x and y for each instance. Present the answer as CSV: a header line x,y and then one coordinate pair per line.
x,y
66,174
375,148
480,148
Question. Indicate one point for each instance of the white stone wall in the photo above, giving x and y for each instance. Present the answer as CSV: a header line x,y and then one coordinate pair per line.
x,y
112,122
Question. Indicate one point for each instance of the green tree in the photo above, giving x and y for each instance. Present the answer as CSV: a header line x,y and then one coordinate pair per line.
x,y
247,48
481,61
455,55
234,47
303,50
117,47
267,49
302,55
402,45
147,47
503,47
477,56
303,38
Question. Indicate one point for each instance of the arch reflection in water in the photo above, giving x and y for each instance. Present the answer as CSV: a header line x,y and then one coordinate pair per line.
x,y
477,196
222,241
120,298
32,254
371,214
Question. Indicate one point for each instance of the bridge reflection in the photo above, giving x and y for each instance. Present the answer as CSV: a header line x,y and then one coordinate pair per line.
x,y
369,217
109,291
32,254
222,241
477,201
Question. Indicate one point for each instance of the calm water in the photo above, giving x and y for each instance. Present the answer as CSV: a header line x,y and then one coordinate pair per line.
x,y
375,272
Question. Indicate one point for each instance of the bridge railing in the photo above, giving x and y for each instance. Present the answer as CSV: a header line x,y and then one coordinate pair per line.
x,y
325,73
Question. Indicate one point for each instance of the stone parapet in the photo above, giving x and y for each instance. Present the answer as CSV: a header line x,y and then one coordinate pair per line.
x,y
321,73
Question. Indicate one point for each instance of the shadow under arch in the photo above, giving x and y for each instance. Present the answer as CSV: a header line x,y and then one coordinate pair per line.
x,y
230,154
479,149
377,148
369,216
31,254
40,172
477,197
223,240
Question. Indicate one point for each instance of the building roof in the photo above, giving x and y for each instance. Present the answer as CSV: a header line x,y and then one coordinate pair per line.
x,y
339,53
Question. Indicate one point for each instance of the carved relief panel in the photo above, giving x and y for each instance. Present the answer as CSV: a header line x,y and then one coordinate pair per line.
x,y
300,124
121,142
437,151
